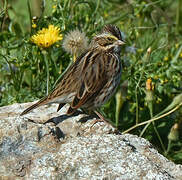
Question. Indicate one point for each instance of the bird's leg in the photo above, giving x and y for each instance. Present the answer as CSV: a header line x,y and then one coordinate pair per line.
x,y
100,116
101,119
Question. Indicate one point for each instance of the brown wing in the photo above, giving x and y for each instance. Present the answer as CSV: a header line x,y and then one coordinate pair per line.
x,y
92,79
70,80
68,83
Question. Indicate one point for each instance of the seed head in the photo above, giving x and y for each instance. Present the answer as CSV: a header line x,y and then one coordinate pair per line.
x,y
75,42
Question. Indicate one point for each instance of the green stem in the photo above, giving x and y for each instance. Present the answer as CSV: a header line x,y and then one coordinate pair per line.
x,y
137,109
98,4
178,15
168,148
61,76
150,106
119,103
13,75
136,92
117,117
145,60
43,4
30,14
155,129
74,57
45,54
156,117
4,13
54,62
144,129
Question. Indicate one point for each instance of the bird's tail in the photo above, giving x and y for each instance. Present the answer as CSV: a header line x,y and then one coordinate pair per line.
x,y
39,103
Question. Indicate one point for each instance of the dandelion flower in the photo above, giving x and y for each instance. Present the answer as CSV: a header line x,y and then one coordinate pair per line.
x,y
47,36
75,42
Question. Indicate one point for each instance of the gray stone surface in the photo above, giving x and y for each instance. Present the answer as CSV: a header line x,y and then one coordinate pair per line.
x,y
32,149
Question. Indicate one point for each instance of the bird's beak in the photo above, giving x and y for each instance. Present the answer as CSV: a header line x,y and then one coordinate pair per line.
x,y
120,43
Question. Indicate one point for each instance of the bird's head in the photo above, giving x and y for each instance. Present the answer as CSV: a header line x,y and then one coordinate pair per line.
x,y
109,40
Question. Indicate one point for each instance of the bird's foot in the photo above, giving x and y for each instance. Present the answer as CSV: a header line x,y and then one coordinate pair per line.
x,y
100,119
95,122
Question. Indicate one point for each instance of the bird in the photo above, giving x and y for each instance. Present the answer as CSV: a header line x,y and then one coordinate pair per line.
x,y
93,78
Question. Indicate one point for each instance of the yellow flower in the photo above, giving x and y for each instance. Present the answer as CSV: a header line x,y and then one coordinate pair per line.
x,y
34,25
159,100
162,81
138,15
156,77
176,45
47,36
140,50
141,108
106,14
166,58
180,55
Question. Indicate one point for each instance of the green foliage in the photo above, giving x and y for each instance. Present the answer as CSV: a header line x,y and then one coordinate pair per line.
x,y
26,71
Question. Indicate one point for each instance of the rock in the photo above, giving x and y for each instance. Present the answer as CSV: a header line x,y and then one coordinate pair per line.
x,y
46,144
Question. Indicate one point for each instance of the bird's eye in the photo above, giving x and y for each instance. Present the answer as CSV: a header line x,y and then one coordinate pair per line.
x,y
110,39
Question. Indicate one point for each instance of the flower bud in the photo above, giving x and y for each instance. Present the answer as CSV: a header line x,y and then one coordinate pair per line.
x,y
149,86
174,133
146,57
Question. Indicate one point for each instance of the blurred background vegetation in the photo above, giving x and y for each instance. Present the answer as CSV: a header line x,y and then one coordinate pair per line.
x,y
152,59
